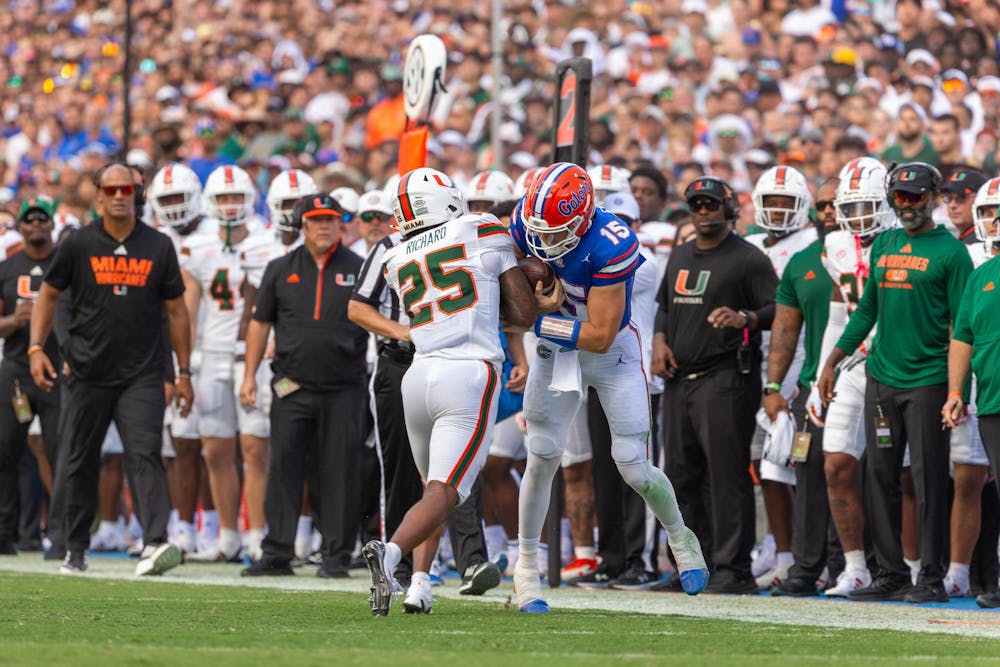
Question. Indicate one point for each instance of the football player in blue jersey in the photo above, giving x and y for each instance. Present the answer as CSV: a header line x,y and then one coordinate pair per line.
x,y
589,342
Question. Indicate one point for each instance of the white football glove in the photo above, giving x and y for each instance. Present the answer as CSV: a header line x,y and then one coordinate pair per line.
x,y
815,408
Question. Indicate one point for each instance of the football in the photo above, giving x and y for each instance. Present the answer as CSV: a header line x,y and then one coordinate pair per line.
x,y
536,270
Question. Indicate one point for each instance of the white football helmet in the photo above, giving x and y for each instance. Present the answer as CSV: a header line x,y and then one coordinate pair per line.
x,y
348,200
493,187
229,180
62,222
175,195
985,212
524,180
860,201
285,190
426,198
859,162
607,179
786,182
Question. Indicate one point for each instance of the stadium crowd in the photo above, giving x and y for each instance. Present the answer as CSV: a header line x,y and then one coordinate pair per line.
x,y
828,104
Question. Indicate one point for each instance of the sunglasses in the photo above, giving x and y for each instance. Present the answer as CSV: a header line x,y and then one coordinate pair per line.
x,y
823,204
952,85
704,203
112,190
371,216
36,217
912,198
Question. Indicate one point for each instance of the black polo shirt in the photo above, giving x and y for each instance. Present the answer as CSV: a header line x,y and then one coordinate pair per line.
x,y
21,278
316,344
116,307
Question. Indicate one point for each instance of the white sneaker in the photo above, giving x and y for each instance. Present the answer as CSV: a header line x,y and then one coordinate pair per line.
x,y
108,538
763,558
157,559
419,598
824,578
773,577
955,589
848,582
186,542
528,587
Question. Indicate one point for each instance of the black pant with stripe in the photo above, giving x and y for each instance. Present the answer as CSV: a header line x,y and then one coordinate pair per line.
x,y
316,438
13,444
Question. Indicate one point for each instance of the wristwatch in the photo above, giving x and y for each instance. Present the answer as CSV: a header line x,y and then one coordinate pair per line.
x,y
746,314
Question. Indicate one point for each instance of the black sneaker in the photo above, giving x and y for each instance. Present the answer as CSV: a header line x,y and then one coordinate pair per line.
x,y
268,568
989,600
732,586
332,573
795,587
479,578
923,593
671,584
75,563
597,580
358,563
885,586
635,578
55,553
7,549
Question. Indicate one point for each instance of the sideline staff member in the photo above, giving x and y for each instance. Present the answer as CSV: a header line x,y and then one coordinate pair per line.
x,y
716,297
20,279
319,390
123,274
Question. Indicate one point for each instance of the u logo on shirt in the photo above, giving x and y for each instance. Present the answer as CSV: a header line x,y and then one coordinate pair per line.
x,y
680,286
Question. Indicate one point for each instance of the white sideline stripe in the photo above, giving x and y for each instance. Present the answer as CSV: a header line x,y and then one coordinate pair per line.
x,y
762,610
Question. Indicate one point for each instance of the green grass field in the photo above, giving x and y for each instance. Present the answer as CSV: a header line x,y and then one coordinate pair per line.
x,y
57,620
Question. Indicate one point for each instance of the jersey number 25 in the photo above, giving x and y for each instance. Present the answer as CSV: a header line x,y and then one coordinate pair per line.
x,y
413,281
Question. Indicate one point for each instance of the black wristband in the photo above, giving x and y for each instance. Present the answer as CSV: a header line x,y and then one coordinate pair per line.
x,y
184,372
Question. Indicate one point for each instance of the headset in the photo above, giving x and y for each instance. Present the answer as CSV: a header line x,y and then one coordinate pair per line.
x,y
730,202
936,178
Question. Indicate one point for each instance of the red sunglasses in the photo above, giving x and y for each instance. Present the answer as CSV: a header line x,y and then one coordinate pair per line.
x,y
112,190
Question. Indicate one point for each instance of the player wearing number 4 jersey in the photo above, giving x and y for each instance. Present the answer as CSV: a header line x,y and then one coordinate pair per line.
x,y
214,269
590,343
455,274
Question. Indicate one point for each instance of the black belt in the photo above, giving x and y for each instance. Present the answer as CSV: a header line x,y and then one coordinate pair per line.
x,y
397,350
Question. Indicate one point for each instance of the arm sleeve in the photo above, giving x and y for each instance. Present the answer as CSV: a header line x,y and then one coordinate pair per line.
x,y
963,327
498,249
172,285
763,285
266,306
371,282
834,328
60,271
958,278
864,317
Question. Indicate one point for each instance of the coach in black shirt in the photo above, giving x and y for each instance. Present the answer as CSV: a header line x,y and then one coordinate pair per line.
x,y
20,280
123,275
317,416
716,297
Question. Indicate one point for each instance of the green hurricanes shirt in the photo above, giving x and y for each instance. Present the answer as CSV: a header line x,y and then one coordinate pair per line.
x,y
978,324
913,293
806,285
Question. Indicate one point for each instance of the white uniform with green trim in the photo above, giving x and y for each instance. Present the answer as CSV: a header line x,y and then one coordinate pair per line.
x,y
447,279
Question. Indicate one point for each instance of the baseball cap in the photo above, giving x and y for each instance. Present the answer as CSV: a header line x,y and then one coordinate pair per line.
x,y
916,177
374,200
43,204
622,204
964,181
922,56
988,84
320,204
705,187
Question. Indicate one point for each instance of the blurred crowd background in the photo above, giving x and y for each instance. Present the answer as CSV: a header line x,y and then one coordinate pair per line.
x,y
727,87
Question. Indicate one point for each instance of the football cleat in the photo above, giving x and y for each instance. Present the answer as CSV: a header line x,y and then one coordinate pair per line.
x,y
384,587
690,561
419,599
580,567
528,588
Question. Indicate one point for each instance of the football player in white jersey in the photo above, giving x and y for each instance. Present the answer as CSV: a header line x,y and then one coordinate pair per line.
x,y
862,214
781,201
175,197
287,188
214,268
608,179
488,189
454,273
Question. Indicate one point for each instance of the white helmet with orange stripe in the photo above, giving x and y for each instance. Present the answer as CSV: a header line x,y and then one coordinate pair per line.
x,y
860,201
285,190
524,180
175,195
426,198
490,187
607,179
229,195
985,214
781,200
